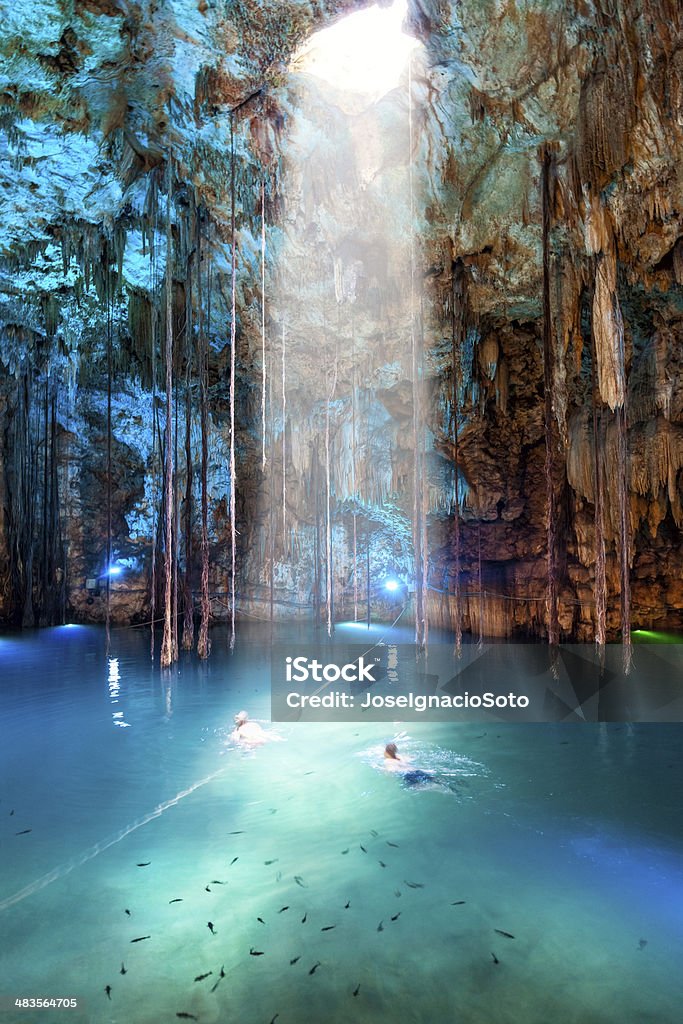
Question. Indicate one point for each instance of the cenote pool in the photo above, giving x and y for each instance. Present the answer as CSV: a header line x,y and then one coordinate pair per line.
x,y
541,881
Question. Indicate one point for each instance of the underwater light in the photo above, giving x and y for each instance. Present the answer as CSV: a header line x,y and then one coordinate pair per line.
x,y
392,585
114,570
364,52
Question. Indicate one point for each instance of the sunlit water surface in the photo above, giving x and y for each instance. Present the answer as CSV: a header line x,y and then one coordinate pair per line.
x,y
568,838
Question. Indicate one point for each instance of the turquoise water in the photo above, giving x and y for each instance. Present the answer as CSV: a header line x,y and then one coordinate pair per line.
x,y
567,837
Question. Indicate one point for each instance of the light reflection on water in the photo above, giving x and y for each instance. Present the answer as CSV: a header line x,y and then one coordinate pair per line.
x,y
567,837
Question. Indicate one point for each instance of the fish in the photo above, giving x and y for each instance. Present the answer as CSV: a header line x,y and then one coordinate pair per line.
x,y
273,810
233,861
506,934
397,892
414,885
299,881
308,773
395,845
141,938
200,977
218,979
178,899
238,833
347,904
373,833
381,863
380,926
186,1016
123,969
458,903
344,852
275,1018
278,876
396,916
315,967
282,910
303,919
127,911
216,881
144,864
24,832
642,944
362,848
495,958
273,861
11,812
207,889
209,925
295,960
328,928
107,989
261,920
256,952
356,990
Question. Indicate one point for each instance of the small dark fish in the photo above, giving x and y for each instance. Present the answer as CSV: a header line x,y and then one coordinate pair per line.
x,y
273,861
200,977
295,960
11,813
373,833
141,938
207,889
233,861
222,974
178,899
256,952
362,848
209,925
396,916
495,958
275,1018
240,833
481,736
381,863
261,920
278,876
215,985
414,885
303,919
24,832
123,969
397,892
564,743
127,911
282,910
299,881
395,845
347,904
344,852
273,810
380,926
328,928
314,968
308,773
107,989
356,990
145,864
642,944
186,1016
215,881
506,934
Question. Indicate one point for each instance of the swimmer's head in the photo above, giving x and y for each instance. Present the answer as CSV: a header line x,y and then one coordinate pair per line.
x,y
391,751
240,718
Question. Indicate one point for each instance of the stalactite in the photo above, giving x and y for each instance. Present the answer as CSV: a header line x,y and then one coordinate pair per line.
x,y
284,445
271,502
153,573
480,587
176,531
457,337
188,604
110,315
599,524
203,642
549,419
328,520
167,640
233,343
263,324
354,488
623,499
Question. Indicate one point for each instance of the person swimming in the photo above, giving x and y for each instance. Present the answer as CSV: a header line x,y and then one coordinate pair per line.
x,y
411,776
247,732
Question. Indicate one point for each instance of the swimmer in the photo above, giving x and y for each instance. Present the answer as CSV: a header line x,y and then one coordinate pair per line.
x,y
247,732
411,776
